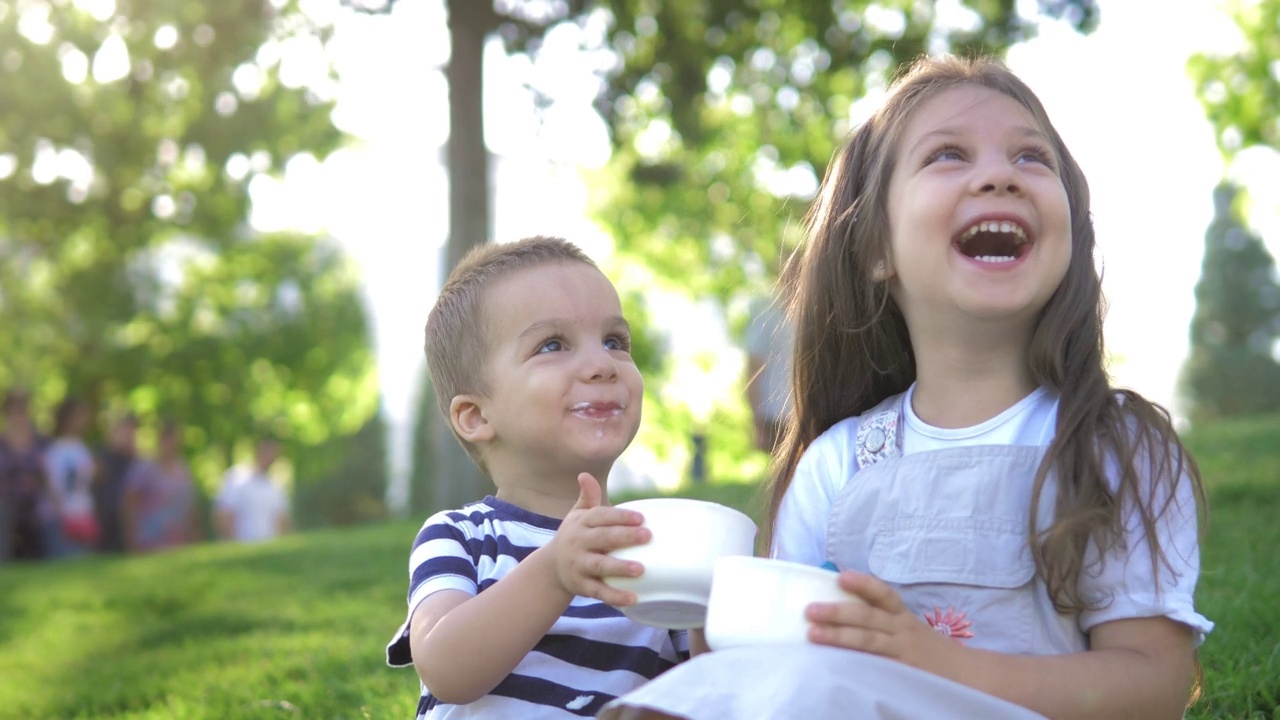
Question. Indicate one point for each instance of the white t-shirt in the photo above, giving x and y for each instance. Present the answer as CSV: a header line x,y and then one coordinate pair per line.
x,y
70,466
256,505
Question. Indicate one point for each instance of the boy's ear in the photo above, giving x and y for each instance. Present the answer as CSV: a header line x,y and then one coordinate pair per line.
x,y
467,415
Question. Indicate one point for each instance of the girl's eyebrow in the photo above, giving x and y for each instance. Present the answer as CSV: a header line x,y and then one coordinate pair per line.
x,y
948,133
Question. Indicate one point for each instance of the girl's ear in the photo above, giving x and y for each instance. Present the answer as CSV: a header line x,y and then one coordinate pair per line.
x,y
466,412
883,270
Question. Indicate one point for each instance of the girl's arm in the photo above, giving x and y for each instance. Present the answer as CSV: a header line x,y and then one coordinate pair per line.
x,y
1135,668
464,645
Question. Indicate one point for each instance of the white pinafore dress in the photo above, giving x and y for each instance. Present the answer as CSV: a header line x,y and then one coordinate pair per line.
x,y
958,555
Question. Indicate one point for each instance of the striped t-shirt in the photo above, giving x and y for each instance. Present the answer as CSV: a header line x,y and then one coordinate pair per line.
x,y
591,654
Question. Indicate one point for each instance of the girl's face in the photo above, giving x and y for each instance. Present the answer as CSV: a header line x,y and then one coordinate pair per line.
x,y
980,224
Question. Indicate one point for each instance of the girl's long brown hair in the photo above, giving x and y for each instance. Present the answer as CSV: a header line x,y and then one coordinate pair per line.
x,y
852,349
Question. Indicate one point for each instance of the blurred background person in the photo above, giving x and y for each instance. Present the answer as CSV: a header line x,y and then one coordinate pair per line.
x,y
159,502
70,466
251,507
115,459
23,480
768,346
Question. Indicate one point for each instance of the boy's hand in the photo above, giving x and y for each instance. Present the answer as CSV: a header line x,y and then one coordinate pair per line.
x,y
587,534
882,626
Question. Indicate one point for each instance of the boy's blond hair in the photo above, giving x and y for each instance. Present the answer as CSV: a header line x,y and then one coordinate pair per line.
x,y
457,352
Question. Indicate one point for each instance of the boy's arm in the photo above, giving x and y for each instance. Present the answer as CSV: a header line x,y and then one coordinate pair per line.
x,y
464,645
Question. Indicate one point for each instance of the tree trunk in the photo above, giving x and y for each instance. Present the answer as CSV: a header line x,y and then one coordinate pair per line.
x,y
459,481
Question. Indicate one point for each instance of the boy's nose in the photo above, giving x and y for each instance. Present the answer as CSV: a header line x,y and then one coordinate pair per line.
x,y
600,366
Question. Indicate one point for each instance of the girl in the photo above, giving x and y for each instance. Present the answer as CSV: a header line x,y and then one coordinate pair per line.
x,y
1022,536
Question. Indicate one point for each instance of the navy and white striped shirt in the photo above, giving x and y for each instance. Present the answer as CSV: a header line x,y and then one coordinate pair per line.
x,y
591,654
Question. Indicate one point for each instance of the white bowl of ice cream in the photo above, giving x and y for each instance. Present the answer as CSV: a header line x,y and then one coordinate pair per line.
x,y
761,601
688,537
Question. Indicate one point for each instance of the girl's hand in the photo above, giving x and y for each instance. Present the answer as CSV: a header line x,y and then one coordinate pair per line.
x,y
586,537
882,626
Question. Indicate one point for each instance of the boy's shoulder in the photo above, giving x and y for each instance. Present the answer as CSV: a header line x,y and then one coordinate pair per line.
x,y
490,517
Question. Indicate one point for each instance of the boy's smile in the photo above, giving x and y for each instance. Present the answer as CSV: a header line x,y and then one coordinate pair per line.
x,y
563,393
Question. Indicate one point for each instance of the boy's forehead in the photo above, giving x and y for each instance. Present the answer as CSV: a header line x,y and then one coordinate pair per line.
x,y
561,289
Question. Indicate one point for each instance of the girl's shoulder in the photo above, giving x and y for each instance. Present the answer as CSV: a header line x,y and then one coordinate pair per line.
x,y
841,439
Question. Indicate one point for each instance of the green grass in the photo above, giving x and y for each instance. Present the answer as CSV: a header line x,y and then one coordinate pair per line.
x,y
291,630
1240,569
296,629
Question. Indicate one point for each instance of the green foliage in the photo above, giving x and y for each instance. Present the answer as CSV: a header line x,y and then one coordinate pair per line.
x,y
726,113
347,479
1232,369
130,275
1241,92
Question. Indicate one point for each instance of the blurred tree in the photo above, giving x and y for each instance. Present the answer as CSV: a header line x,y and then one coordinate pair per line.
x,y
131,134
424,471
1233,368
1241,92
1235,333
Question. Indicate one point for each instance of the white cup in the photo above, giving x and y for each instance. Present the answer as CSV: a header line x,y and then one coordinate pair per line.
x,y
688,536
761,601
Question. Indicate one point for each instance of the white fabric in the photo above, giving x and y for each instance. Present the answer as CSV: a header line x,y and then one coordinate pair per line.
x,y
760,683
256,505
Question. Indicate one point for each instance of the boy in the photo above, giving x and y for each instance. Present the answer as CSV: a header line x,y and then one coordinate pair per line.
x,y
530,358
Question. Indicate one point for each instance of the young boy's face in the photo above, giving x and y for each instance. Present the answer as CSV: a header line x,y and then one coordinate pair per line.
x,y
564,394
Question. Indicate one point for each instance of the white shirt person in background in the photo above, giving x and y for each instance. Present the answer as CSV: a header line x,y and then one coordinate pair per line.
x,y
251,507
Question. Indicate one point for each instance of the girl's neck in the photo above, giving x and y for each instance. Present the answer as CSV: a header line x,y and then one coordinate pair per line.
x,y
961,382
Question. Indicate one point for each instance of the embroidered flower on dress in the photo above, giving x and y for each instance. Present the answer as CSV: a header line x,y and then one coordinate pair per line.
x,y
952,624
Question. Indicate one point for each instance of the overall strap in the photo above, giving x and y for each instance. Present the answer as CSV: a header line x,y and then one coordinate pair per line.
x,y
880,432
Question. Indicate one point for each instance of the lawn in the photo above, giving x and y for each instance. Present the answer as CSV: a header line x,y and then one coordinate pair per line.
x,y
296,629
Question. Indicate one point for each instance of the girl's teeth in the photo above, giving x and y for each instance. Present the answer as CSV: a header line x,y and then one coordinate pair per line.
x,y
992,226
994,258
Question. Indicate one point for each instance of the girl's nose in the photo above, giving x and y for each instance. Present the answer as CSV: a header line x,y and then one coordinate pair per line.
x,y
997,177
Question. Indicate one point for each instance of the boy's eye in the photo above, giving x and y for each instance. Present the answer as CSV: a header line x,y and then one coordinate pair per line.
x,y
618,342
552,345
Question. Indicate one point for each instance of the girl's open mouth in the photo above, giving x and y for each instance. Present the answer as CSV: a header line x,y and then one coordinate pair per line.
x,y
993,241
